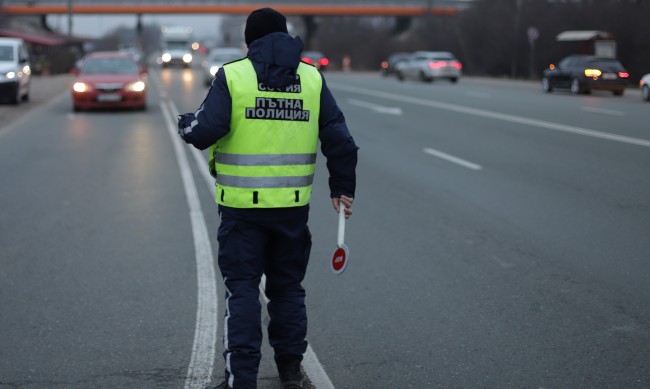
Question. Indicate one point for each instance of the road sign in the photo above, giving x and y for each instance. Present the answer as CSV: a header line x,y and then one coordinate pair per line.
x,y
342,254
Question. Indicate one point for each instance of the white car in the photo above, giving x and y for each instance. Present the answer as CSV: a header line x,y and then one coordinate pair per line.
x,y
429,66
645,87
216,59
15,70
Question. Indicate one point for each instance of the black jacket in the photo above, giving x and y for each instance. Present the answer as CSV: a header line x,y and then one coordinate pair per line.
x,y
275,58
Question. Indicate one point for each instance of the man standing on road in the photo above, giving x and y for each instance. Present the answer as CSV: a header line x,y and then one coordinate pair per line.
x,y
262,119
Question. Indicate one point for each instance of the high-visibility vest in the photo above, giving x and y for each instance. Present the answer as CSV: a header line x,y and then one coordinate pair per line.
x,y
268,158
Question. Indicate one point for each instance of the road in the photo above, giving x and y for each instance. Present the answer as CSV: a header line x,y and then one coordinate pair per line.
x,y
500,239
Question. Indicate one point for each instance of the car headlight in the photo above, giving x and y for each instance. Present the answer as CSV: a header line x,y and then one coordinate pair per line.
x,y
137,86
81,87
166,57
10,75
187,58
214,70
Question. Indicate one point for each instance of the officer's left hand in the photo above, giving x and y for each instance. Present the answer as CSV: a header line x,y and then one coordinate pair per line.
x,y
347,202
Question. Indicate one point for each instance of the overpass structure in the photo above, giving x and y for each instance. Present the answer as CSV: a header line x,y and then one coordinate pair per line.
x,y
288,7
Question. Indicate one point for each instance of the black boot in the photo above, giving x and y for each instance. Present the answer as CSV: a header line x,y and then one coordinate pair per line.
x,y
289,370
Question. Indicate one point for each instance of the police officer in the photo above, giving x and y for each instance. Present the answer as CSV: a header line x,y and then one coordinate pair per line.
x,y
261,120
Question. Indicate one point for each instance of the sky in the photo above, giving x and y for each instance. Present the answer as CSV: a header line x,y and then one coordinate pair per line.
x,y
95,26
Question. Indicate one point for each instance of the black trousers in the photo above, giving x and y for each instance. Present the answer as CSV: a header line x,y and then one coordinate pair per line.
x,y
277,243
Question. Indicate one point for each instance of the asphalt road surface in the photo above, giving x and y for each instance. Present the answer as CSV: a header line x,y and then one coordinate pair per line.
x,y
500,239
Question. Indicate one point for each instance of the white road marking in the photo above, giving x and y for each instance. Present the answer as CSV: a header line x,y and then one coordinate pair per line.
x,y
199,371
451,158
603,111
310,363
376,108
493,115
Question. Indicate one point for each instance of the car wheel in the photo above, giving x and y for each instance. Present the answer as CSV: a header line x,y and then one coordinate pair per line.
x,y
400,76
576,88
424,78
546,85
453,80
76,108
619,92
645,93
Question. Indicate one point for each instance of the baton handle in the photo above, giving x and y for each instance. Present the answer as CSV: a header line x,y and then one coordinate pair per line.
x,y
341,236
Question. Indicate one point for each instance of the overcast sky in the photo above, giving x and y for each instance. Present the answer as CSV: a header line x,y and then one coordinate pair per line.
x,y
95,26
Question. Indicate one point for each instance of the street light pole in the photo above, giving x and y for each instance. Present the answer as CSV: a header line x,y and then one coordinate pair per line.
x,y
70,17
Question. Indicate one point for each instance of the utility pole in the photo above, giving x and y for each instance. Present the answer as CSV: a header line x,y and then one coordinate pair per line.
x,y
515,39
70,17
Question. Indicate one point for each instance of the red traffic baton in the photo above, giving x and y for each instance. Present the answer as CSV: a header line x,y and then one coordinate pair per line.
x,y
341,255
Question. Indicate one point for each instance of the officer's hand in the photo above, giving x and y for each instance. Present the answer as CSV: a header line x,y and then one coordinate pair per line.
x,y
185,125
347,202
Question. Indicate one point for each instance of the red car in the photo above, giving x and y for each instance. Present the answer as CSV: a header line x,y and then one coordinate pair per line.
x,y
109,80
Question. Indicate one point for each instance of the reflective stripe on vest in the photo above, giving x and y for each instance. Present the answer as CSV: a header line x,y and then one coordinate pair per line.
x,y
265,159
268,158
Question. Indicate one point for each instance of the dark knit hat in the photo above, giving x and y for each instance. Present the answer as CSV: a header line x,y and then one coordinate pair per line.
x,y
263,21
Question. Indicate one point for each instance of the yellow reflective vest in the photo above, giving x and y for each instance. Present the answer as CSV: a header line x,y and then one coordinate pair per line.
x,y
268,158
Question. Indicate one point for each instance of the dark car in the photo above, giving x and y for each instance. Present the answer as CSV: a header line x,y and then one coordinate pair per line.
x,y
584,73
388,66
316,58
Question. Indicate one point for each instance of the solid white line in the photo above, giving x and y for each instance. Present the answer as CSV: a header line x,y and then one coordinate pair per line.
x,y
200,161
313,368
451,158
376,108
603,111
493,115
199,371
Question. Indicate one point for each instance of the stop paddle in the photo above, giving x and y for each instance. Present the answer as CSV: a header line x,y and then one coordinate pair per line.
x,y
342,254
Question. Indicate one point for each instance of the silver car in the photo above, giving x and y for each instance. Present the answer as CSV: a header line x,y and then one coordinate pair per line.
x,y
429,66
15,70
645,87
216,59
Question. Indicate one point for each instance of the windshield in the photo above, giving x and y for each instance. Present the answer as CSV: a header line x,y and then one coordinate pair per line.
x,y
176,45
604,64
223,58
109,66
6,53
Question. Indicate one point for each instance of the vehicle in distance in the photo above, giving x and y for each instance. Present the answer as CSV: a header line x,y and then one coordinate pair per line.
x,y
584,73
216,58
388,66
429,66
109,80
644,84
15,70
176,43
316,58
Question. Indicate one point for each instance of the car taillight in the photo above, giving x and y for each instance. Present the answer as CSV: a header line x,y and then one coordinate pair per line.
x,y
623,74
384,65
457,65
593,72
324,62
307,60
437,64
